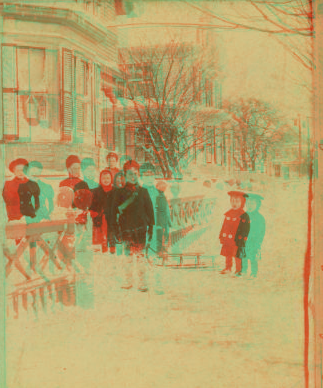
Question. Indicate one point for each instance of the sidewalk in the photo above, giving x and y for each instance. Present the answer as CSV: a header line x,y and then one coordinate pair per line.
x,y
207,330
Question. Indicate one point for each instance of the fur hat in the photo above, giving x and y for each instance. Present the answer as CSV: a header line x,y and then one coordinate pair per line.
x,y
71,160
130,164
112,155
17,162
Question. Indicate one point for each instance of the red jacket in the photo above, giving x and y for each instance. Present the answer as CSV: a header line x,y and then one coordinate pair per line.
x,y
12,199
230,226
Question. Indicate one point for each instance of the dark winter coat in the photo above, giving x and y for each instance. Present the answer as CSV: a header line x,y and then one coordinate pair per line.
x,y
139,215
29,192
101,204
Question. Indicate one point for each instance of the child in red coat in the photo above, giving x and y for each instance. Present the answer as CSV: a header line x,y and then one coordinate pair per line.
x,y
234,232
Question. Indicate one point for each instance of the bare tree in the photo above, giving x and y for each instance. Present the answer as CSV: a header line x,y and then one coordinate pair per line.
x,y
290,22
167,84
259,129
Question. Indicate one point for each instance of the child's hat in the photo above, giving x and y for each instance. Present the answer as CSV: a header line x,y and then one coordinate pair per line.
x,y
17,162
237,194
255,196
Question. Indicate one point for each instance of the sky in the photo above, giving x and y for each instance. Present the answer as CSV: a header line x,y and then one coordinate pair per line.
x,y
254,64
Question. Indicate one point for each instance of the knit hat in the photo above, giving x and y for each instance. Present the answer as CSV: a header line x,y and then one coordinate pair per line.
x,y
71,160
255,197
130,164
237,194
17,162
112,155
87,162
35,163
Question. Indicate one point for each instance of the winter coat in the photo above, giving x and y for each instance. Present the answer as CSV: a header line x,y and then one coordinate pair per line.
x,y
29,192
234,233
256,235
101,204
162,211
76,184
12,199
137,215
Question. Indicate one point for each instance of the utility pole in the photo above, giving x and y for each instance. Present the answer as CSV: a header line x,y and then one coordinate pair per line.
x,y
3,307
299,145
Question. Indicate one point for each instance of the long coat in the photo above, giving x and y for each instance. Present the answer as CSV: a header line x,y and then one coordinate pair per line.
x,y
137,218
101,204
256,235
234,233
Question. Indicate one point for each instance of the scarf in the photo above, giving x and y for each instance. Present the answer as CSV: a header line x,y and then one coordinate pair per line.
x,y
106,188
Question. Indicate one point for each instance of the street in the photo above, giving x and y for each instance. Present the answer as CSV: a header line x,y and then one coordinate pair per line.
x,y
206,330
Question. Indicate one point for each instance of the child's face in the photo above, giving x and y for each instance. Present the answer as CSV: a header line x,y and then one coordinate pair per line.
x,y
236,202
34,172
89,173
106,179
132,176
251,205
120,181
19,171
75,170
112,162
148,178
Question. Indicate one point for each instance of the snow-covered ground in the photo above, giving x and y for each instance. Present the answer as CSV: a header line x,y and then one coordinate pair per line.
x,y
206,330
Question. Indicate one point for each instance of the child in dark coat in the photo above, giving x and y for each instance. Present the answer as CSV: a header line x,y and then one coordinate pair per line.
x,y
234,232
101,202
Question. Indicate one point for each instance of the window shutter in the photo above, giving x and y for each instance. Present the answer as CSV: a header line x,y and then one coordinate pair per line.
x,y
9,68
9,115
67,97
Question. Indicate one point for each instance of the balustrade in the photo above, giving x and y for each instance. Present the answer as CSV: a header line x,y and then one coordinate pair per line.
x,y
188,212
49,273
43,259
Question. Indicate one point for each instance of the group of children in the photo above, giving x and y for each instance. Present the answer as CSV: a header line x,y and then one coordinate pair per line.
x,y
123,211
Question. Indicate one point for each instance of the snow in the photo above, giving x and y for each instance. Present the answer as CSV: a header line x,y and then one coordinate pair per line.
x,y
207,330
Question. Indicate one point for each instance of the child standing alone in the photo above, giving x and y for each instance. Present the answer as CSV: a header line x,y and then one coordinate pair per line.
x,y
234,232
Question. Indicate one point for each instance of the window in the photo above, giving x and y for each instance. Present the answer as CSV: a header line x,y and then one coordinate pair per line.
x,y
76,97
30,94
82,97
208,93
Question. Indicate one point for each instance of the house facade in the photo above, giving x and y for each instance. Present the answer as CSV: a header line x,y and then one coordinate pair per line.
x,y
59,75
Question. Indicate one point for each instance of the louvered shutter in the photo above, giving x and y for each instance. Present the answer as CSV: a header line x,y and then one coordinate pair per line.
x,y
9,92
67,96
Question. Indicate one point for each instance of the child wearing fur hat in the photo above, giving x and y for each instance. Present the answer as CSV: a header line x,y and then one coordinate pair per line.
x,y
100,203
73,165
88,168
132,219
234,232
19,192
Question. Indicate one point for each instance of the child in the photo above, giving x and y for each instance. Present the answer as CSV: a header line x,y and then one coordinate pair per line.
x,y
234,232
100,202
118,183
162,218
256,234
132,218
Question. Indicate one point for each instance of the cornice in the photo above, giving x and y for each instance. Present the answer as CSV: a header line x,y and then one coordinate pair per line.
x,y
64,17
